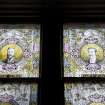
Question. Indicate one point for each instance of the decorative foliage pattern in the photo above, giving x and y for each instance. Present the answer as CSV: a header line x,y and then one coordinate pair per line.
x,y
84,50
19,50
18,94
84,94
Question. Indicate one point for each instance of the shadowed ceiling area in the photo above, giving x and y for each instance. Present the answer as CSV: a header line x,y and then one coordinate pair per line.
x,y
63,9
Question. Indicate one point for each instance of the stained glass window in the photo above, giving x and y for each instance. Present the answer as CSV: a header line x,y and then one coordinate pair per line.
x,y
84,50
18,94
85,94
19,50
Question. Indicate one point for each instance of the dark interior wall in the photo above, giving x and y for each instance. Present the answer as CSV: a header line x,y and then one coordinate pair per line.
x,y
20,10
82,9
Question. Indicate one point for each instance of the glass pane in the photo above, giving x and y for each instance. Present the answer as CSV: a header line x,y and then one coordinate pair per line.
x,y
85,94
84,50
18,94
19,50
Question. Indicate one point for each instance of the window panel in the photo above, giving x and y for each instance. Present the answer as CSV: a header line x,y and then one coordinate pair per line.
x,y
19,50
85,93
84,50
18,94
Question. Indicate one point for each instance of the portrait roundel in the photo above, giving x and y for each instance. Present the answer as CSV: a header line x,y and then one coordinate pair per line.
x,y
11,53
97,103
92,50
5,103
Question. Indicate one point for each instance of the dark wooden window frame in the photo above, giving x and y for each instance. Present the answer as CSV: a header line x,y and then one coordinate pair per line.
x,y
51,15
